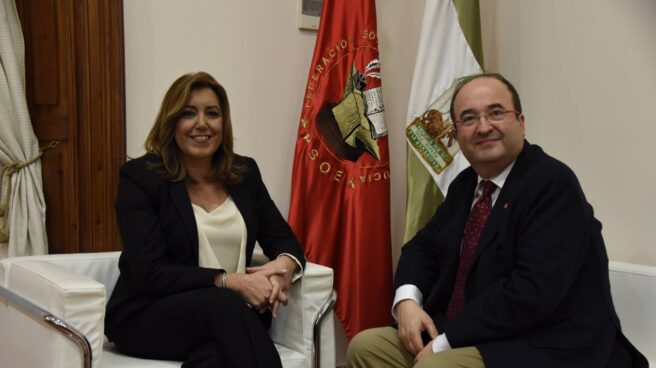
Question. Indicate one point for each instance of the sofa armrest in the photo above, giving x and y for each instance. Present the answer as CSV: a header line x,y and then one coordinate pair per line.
x,y
75,298
294,327
102,266
633,288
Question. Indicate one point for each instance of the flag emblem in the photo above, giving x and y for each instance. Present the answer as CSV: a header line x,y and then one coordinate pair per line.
x,y
432,135
353,126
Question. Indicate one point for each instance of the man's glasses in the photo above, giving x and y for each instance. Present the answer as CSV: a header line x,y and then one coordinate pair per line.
x,y
497,114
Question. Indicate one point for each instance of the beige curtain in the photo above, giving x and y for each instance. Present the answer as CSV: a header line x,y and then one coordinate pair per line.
x,y
22,206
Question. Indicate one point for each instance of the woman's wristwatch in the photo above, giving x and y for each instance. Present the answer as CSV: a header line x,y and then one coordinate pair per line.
x,y
221,279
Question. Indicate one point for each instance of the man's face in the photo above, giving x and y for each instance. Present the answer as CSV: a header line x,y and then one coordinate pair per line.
x,y
489,145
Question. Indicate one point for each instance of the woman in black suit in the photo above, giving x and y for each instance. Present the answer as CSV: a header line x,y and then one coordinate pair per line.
x,y
189,213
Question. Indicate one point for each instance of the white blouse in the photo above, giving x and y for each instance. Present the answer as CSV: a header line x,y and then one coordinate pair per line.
x,y
221,237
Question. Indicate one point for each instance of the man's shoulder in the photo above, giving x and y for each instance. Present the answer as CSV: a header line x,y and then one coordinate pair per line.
x,y
538,174
543,165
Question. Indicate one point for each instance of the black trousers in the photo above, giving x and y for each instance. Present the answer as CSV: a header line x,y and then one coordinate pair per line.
x,y
210,327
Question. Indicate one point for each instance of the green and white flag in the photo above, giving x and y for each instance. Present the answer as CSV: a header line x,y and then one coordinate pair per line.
x,y
449,48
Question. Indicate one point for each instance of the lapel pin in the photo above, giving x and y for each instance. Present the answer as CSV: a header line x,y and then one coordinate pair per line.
x,y
505,205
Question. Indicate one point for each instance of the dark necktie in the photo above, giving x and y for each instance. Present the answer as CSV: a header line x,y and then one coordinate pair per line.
x,y
477,218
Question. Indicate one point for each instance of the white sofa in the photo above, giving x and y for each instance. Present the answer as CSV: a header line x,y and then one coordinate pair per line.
x,y
634,293
52,309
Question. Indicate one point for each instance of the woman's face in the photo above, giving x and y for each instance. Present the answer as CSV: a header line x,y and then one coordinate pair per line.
x,y
199,129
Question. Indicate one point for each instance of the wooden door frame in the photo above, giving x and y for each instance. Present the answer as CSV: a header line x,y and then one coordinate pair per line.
x,y
101,112
75,82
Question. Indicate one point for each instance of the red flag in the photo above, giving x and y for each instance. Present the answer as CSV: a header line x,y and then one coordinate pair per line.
x,y
340,203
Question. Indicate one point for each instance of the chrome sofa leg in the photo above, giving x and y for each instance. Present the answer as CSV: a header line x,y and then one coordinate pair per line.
x,y
316,334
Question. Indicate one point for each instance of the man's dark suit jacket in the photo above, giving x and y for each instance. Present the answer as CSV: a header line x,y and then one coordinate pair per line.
x,y
160,237
538,292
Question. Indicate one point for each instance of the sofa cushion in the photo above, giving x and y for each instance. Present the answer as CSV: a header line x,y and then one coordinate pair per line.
x,y
112,358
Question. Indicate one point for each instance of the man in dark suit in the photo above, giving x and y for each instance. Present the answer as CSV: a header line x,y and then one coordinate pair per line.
x,y
512,270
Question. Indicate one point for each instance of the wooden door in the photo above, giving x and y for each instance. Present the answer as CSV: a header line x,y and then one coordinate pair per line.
x,y
75,92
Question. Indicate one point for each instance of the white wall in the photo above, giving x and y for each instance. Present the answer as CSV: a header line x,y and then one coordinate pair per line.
x,y
256,51
585,72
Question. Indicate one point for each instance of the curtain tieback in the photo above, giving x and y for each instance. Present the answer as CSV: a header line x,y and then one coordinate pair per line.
x,y
7,172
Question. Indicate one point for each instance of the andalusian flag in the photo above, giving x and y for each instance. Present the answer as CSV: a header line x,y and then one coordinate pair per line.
x,y
449,48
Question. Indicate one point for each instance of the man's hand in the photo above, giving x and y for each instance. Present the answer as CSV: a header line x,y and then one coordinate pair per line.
x,y
426,351
412,320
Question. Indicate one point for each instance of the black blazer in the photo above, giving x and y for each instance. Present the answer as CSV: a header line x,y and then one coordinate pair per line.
x,y
160,237
538,292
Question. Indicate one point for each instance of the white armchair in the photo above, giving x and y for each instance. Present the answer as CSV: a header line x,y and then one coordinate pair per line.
x,y
52,310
